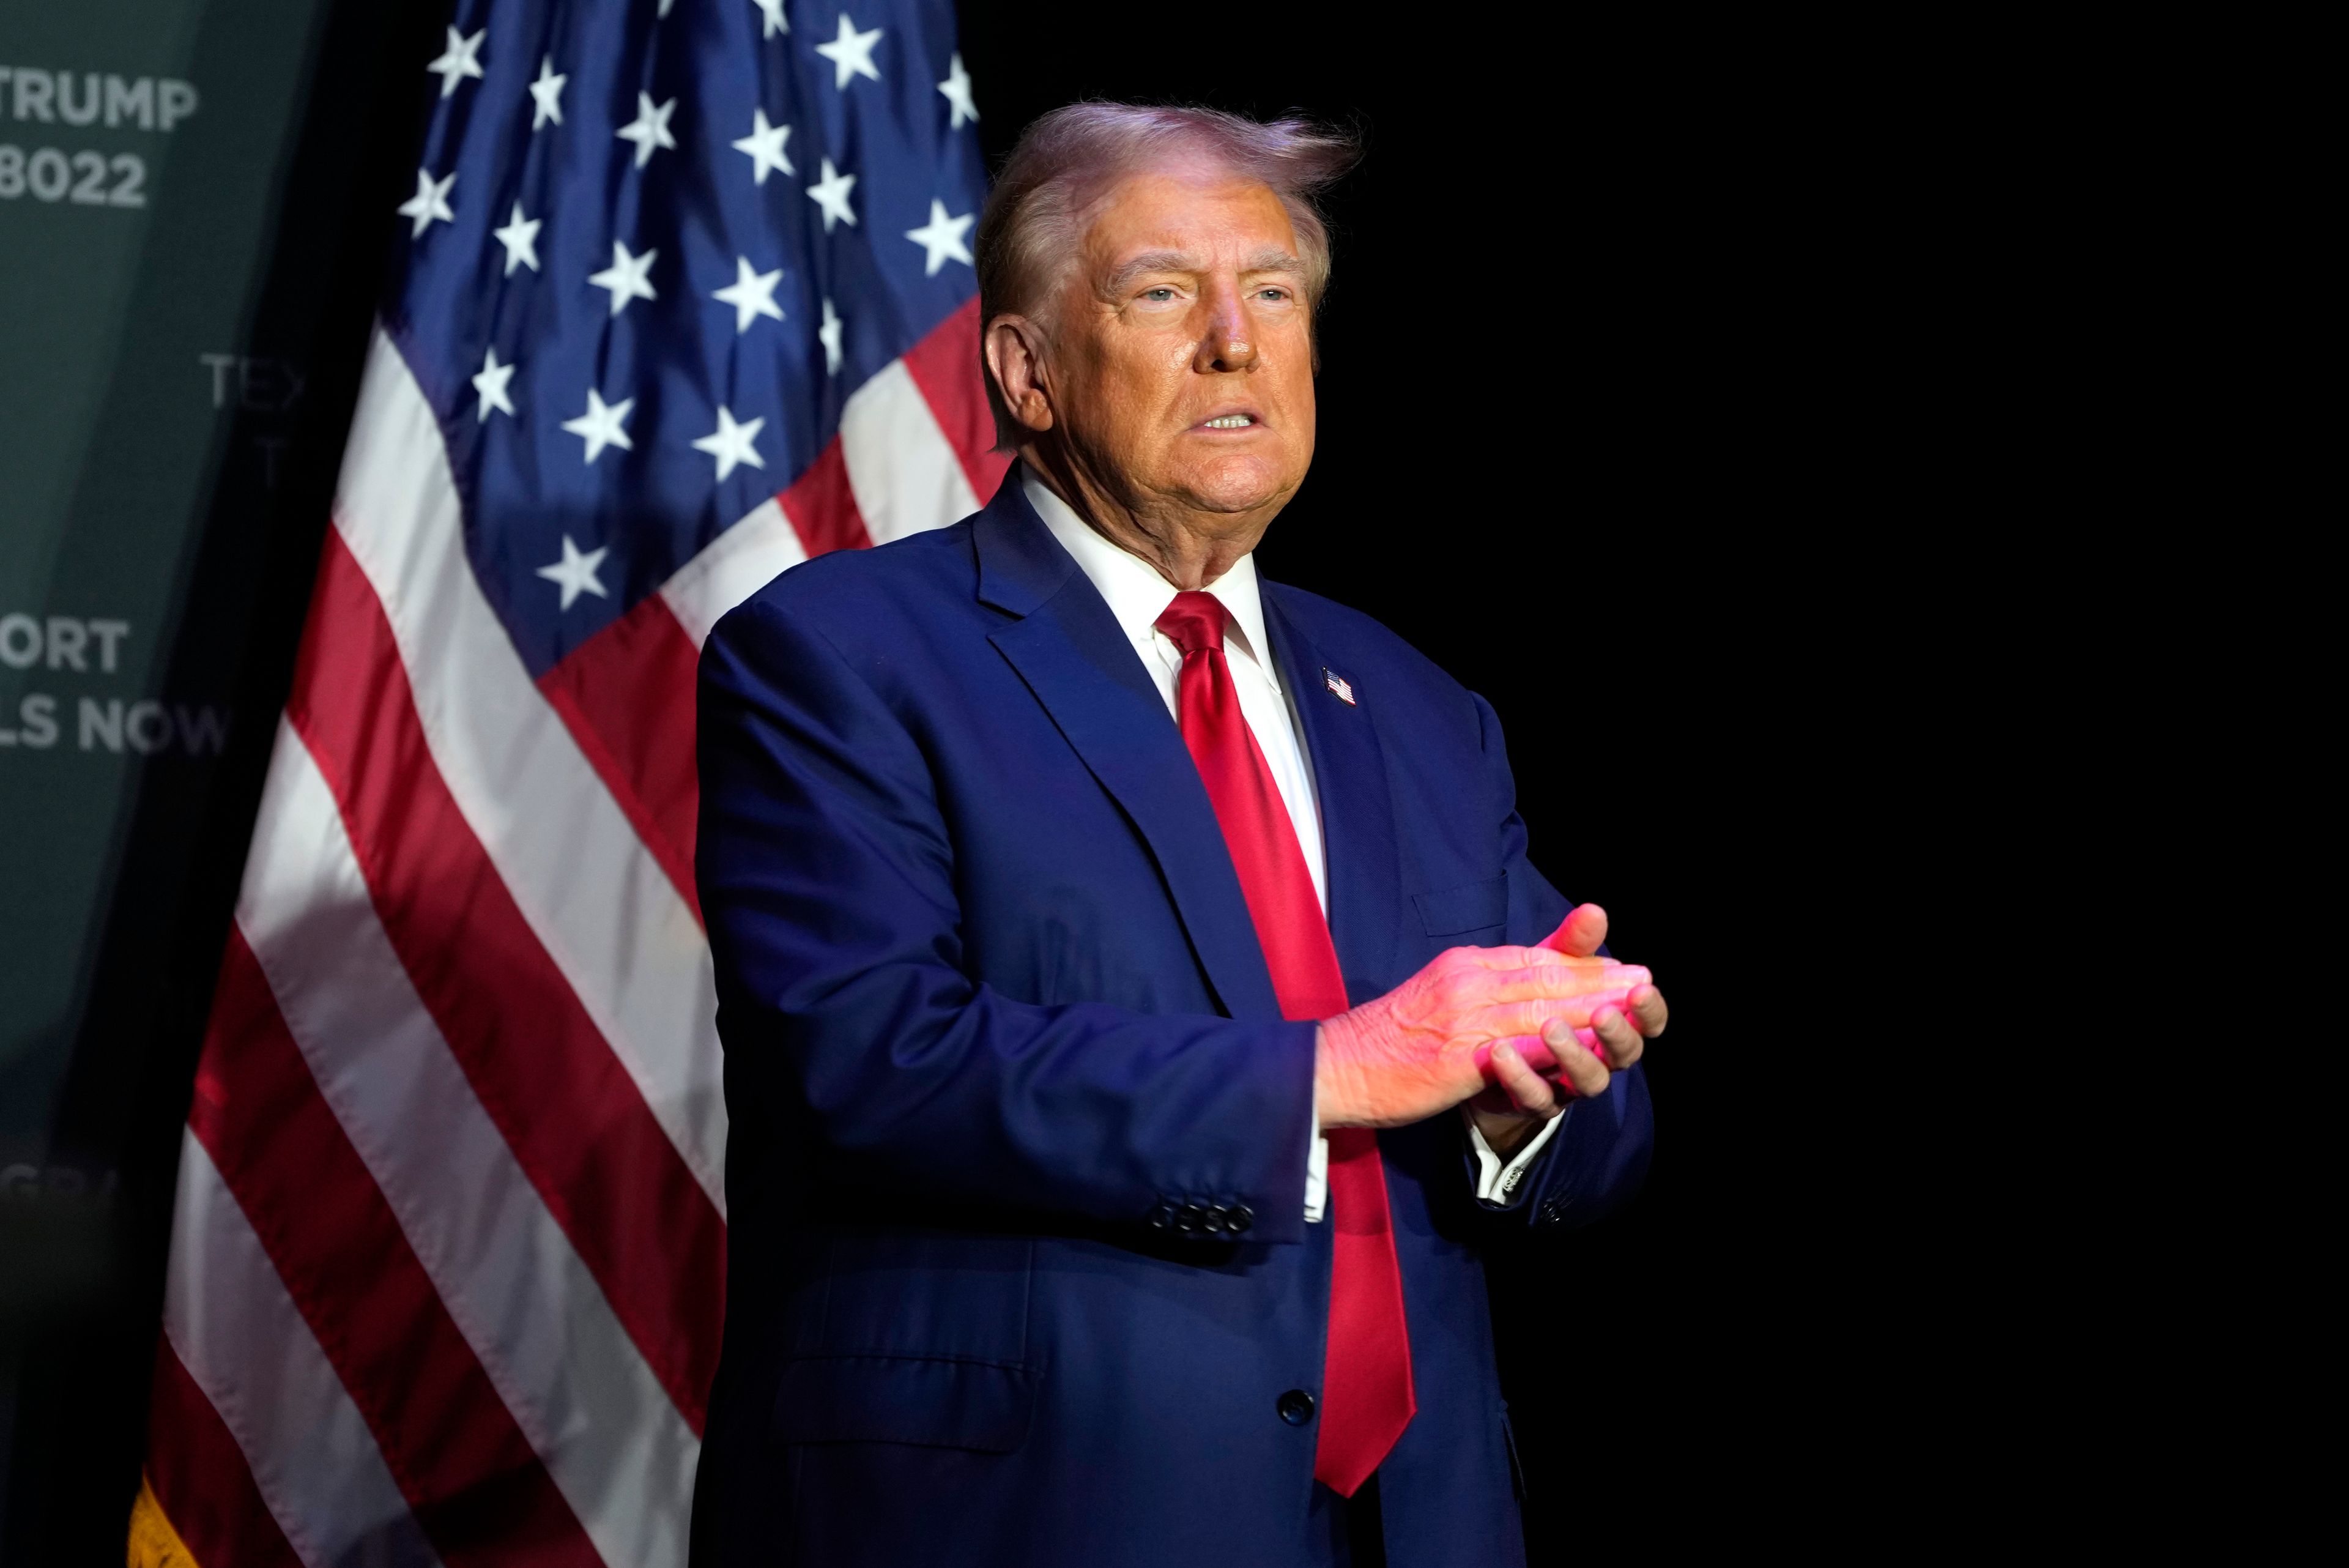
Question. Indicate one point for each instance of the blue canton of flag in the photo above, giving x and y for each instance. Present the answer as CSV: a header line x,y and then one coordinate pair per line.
x,y
653,248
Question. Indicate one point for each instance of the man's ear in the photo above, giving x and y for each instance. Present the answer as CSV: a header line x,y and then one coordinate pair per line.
x,y
1014,346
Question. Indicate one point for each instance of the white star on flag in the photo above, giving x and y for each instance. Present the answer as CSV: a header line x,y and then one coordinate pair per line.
x,y
600,425
547,93
459,60
431,200
730,444
956,86
489,381
831,193
752,293
772,10
650,129
850,54
942,236
625,278
520,238
576,571
829,335
765,146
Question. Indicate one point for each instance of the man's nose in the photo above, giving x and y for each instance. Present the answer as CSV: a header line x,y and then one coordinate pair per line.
x,y
1228,343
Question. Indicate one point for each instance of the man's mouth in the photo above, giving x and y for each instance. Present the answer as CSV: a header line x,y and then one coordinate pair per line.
x,y
1230,422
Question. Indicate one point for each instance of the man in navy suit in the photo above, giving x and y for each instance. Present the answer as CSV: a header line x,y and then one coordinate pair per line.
x,y
1139,1008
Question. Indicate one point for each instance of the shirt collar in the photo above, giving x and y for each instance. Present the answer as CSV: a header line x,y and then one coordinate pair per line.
x,y
1137,596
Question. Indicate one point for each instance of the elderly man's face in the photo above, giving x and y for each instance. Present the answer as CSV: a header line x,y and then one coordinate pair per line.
x,y
1182,355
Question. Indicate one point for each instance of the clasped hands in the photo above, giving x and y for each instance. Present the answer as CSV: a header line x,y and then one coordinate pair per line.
x,y
1512,1032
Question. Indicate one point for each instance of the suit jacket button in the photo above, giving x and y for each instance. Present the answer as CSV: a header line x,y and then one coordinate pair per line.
x,y
1240,1218
1218,1219
1162,1216
1296,1407
1188,1218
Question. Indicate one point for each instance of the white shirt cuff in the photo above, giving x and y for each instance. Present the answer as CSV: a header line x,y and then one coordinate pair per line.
x,y
1495,1182
1317,1173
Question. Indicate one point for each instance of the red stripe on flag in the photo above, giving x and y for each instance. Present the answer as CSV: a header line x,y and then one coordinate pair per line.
x,y
627,694
199,1476
475,1484
546,1075
945,366
822,508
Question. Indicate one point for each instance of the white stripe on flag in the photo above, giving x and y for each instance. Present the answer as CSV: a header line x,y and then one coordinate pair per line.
x,y
901,465
597,900
247,1345
738,564
560,1359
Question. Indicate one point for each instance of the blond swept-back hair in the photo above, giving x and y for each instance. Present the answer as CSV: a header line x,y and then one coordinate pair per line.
x,y
1069,159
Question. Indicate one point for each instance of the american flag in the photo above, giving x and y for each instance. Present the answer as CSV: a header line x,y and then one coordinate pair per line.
x,y
683,296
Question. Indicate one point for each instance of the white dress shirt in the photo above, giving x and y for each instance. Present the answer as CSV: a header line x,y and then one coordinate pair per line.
x,y
1137,596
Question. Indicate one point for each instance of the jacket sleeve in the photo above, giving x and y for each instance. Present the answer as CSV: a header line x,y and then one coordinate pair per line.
x,y
826,874
1598,1155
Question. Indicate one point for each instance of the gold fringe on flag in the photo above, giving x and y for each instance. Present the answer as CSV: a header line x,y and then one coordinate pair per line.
x,y
153,1542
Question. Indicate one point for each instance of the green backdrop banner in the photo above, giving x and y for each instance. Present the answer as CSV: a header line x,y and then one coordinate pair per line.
x,y
195,197
141,160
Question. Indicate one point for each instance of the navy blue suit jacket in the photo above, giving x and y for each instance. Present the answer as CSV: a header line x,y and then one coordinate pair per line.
x,y
993,1011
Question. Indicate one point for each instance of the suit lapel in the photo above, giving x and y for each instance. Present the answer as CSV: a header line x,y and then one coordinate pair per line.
x,y
1349,775
1068,648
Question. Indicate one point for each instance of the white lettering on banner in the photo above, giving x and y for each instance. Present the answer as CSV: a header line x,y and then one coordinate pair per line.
x,y
259,385
46,174
68,638
85,177
62,643
126,100
202,730
149,727
103,726
20,641
85,98
271,448
92,644
36,719
23,1184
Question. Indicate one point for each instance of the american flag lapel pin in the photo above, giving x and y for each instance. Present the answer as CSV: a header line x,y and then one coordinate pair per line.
x,y
1344,689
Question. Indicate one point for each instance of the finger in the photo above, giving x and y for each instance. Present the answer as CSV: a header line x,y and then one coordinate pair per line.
x,y
1579,934
1537,1054
1528,1090
1543,981
1542,1059
1531,1050
1507,1020
1621,1043
1648,1013
1539,956
1580,1065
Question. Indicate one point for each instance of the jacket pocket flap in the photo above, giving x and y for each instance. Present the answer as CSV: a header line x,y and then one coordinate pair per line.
x,y
926,1401
1467,907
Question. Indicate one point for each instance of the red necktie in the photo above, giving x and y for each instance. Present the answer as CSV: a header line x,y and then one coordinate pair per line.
x,y
1366,1394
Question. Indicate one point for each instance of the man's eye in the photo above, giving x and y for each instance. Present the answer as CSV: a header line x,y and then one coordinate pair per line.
x,y
1158,293
1272,294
